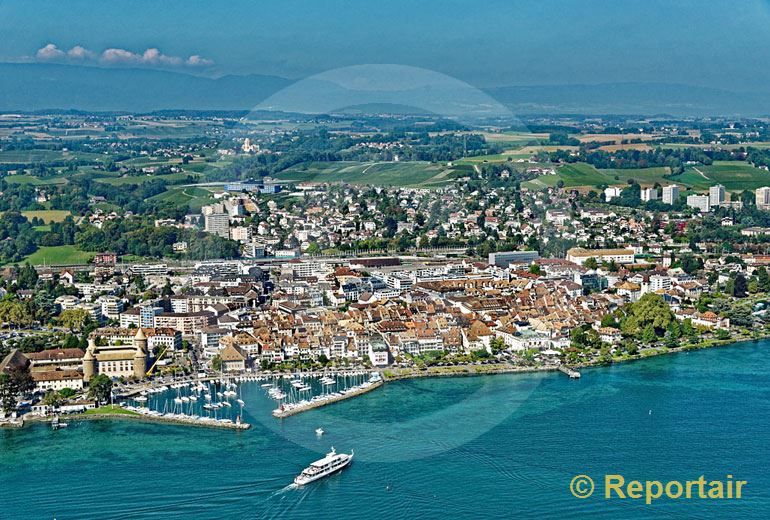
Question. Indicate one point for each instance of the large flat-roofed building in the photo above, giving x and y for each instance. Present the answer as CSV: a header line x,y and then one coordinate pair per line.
x,y
579,255
55,380
58,358
57,369
188,323
262,186
218,223
699,202
158,338
504,259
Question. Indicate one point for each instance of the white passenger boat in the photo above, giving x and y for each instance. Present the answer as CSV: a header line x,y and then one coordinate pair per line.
x,y
332,463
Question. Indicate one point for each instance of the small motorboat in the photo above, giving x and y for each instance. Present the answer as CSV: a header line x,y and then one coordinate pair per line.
x,y
319,431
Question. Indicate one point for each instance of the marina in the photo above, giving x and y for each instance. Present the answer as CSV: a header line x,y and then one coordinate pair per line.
x,y
218,400
289,409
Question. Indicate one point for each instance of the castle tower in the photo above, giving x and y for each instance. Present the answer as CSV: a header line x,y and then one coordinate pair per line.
x,y
89,360
140,357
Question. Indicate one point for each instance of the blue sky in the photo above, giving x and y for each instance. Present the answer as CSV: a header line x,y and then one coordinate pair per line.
x,y
717,43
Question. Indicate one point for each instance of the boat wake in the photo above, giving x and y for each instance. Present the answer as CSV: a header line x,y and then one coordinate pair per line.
x,y
284,489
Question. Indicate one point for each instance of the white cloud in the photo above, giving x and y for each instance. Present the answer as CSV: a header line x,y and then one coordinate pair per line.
x,y
198,61
79,53
119,56
49,52
151,57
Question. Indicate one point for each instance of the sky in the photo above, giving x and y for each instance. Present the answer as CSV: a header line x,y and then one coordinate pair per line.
x,y
714,43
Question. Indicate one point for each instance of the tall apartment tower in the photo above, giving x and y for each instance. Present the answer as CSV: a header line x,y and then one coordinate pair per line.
x,y
649,194
217,223
670,194
763,198
716,195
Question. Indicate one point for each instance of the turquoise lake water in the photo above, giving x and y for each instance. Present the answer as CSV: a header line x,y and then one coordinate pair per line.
x,y
477,447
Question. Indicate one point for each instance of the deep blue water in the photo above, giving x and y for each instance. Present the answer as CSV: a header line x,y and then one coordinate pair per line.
x,y
480,447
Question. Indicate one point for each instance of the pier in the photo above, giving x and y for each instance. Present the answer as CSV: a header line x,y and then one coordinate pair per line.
x,y
287,411
573,374
192,420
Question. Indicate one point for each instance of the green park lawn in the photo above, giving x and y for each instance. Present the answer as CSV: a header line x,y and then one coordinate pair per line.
x,y
59,255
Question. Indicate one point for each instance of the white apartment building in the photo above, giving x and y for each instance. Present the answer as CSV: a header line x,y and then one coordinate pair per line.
x,y
659,283
579,255
111,307
611,192
240,233
716,195
649,194
763,198
699,202
217,223
670,194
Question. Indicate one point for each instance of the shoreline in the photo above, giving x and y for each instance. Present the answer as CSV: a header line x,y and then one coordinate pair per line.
x,y
465,371
473,370
136,417
664,351
413,373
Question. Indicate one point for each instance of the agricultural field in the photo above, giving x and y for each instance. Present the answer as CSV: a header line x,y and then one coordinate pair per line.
x,y
734,175
585,175
582,174
615,138
643,147
644,176
45,156
494,159
47,215
59,255
515,139
140,179
413,173
34,181
193,197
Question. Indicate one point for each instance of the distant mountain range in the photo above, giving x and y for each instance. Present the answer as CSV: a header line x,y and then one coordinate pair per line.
x,y
28,86
37,87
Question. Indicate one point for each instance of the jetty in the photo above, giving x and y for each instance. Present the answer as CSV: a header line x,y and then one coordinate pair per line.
x,y
573,374
177,418
12,422
286,410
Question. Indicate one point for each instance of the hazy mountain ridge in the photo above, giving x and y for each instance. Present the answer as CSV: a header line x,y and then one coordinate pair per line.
x,y
33,86
44,86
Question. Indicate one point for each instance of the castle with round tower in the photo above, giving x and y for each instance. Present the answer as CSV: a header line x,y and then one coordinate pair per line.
x,y
117,360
